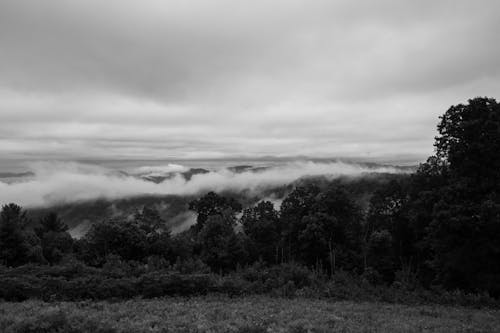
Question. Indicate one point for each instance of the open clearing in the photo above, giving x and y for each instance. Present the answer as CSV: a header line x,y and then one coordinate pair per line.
x,y
248,314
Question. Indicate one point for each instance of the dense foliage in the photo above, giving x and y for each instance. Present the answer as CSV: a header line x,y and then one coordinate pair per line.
x,y
439,227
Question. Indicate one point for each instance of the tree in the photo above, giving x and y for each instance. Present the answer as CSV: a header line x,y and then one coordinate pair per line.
x,y
469,143
460,195
150,221
316,240
219,243
321,228
380,254
55,240
212,204
119,237
51,222
337,219
388,212
183,245
18,245
296,205
13,247
156,231
262,225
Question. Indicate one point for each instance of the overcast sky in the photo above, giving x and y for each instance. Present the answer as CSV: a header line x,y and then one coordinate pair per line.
x,y
203,79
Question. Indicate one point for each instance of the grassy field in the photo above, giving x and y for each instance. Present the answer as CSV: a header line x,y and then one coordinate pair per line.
x,y
249,314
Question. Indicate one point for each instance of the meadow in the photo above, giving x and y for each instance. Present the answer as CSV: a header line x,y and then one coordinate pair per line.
x,y
241,314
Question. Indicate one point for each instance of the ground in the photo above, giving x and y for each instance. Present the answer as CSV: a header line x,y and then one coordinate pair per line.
x,y
249,314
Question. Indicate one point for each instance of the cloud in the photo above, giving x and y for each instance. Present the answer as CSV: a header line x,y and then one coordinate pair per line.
x,y
56,183
172,51
161,79
159,170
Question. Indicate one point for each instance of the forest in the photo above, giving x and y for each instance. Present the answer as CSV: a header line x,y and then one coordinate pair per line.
x,y
429,236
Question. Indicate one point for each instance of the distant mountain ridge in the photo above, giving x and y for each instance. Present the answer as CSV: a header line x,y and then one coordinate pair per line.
x,y
237,169
16,174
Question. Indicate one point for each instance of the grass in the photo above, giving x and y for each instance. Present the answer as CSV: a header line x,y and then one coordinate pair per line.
x,y
248,314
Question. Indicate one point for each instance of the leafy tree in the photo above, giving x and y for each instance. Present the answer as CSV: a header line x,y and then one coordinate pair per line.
x,y
317,240
18,244
295,206
183,245
119,237
212,204
262,226
322,227
380,254
388,212
463,202
150,221
219,243
156,231
332,230
51,222
469,143
55,240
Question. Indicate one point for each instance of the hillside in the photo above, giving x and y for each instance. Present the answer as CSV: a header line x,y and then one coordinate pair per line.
x,y
80,215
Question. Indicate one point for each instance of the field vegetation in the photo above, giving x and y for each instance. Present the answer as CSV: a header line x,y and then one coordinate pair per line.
x,y
249,315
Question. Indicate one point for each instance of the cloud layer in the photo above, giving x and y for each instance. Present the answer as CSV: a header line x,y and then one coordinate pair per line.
x,y
56,183
192,79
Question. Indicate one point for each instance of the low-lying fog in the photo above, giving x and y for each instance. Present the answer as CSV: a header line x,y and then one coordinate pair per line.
x,y
51,183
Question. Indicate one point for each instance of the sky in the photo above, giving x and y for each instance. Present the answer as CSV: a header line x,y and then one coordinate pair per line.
x,y
177,79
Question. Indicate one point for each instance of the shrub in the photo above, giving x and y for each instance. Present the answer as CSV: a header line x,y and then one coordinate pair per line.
x,y
18,289
233,285
157,285
191,266
276,277
372,276
72,282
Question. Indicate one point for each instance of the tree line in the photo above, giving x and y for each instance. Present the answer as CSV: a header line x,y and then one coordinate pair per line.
x,y
437,226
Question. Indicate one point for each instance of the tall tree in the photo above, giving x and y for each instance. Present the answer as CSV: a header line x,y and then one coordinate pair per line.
x,y
340,220
262,225
55,240
464,226
212,204
388,212
18,244
380,254
469,142
220,246
114,237
156,231
297,204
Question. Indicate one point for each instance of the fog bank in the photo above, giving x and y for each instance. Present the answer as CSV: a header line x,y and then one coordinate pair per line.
x,y
63,182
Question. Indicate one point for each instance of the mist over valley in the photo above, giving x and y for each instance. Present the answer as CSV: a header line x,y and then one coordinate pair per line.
x,y
83,193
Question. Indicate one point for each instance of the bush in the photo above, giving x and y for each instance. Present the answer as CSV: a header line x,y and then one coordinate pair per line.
x,y
18,288
372,276
77,282
174,284
275,277
234,285
191,266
